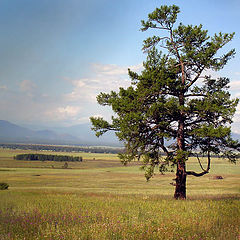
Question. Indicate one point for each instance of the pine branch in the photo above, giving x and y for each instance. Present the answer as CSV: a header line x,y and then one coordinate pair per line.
x,y
205,171
195,95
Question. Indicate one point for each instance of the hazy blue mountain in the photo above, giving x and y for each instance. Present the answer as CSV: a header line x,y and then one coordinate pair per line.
x,y
47,133
80,134
84,133
10,132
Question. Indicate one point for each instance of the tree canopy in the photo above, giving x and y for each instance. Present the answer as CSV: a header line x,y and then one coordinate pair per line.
x,y
174,106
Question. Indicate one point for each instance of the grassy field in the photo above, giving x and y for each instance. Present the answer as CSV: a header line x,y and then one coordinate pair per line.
x,y
101,199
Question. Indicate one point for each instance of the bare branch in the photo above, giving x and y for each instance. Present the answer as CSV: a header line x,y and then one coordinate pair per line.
x,y
199,161
196,78
205,171
161,28
196,174
195,95
162,38
163,146
178,56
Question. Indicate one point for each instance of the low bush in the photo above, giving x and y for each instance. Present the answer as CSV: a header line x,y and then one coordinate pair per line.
x,y
3,186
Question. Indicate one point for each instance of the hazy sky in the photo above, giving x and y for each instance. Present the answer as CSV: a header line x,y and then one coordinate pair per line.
x,y
57,55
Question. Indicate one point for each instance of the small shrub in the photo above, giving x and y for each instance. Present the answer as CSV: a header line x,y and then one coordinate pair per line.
x,y
218,177
65,165
3,186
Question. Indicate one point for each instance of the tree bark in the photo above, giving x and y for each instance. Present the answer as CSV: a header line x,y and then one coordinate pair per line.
x,y
181,175
180,190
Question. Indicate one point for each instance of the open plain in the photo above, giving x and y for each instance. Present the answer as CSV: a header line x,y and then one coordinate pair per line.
x,y
100,198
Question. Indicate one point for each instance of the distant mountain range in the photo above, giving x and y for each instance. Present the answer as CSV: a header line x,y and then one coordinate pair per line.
x,y
76,135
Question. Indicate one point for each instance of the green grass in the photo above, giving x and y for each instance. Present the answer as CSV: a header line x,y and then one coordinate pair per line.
x,y
101,199
50,214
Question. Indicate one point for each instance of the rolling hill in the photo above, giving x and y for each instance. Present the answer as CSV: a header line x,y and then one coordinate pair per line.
x,y
77,135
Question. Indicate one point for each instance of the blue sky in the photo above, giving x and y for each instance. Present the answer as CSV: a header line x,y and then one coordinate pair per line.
x,y
57,55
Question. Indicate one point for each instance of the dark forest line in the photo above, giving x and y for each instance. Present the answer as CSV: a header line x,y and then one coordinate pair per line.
x,y
47,157
61,148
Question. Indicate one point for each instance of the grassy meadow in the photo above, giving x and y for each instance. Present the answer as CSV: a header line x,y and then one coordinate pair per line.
x,y
100,198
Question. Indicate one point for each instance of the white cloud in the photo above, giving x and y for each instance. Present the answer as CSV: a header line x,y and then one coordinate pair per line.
x,y
236,120
235,88
104,78
63,113
82,120
237,113
235,85
83,91
109,69
101,78
236,128
69,110
114,70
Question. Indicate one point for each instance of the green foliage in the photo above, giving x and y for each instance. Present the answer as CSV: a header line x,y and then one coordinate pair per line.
x,y
45,157
164,15
167,101
3,186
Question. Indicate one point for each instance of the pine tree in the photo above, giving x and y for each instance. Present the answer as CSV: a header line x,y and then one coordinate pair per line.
x,y
174,101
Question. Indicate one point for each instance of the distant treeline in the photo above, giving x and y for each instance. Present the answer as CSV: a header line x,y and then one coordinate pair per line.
x,y
45,157
58,148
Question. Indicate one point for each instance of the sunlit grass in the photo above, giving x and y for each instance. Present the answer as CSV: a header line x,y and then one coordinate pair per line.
x,y
102,199
58,215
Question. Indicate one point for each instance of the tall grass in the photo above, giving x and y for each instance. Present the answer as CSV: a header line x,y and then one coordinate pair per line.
x,y
55,215
100,199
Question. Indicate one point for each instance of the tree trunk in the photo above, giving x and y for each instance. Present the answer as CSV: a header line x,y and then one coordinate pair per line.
x,y
180,190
